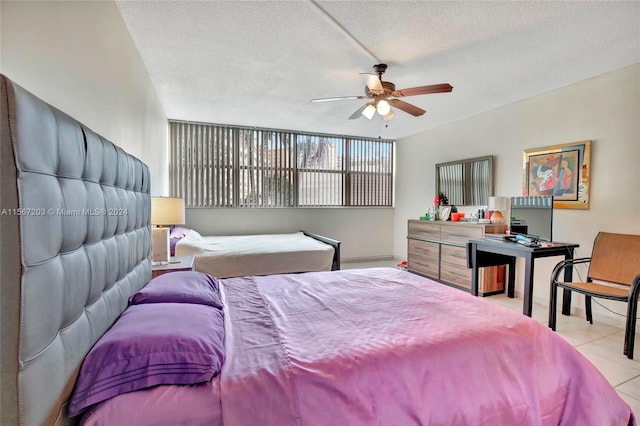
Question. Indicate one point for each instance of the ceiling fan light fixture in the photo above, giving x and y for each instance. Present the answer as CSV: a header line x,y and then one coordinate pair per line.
x,y
381,95
383,107
369,111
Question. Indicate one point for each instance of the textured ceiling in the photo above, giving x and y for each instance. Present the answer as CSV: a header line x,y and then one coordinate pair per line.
x,y
259,63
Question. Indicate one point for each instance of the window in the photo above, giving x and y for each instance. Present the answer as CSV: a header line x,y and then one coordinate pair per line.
x,y
320,170
226,166
370,172
265,168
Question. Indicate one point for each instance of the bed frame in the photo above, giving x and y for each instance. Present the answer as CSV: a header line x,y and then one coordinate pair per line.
x,y
75,245
335,263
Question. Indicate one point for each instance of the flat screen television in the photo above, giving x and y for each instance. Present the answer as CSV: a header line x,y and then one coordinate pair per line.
x,y
533,216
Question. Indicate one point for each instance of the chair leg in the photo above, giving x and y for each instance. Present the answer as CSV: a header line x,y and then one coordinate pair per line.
x,y
553,302
630,329
587,308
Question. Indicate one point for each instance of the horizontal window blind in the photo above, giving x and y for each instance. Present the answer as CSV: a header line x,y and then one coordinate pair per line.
x,y
226,166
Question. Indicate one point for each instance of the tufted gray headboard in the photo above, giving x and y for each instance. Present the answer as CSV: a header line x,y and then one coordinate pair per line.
x,y
75,245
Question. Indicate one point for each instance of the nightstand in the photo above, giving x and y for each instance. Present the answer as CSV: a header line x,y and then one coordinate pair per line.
x,y
178,263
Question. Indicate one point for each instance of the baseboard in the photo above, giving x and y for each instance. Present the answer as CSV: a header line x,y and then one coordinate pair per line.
x,y
368,259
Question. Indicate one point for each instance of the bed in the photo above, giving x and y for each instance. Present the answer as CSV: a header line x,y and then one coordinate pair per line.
x,y
264,254
355,347
377,346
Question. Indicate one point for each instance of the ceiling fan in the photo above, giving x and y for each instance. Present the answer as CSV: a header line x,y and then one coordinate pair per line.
x,y
380,92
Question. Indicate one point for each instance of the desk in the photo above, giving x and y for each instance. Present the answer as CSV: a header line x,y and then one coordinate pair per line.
x,y
491,252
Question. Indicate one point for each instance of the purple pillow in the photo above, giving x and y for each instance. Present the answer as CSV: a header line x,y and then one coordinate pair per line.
x,y
176,234
180,287
156,344
172,246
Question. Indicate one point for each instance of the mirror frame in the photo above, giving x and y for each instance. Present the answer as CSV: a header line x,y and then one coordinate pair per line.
x,y
488,158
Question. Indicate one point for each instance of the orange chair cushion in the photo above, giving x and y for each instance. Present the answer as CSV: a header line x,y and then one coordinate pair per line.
x,y
615,258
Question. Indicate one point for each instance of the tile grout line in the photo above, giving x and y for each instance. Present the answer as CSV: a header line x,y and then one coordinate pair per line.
x,y
590,341
627,381
626,394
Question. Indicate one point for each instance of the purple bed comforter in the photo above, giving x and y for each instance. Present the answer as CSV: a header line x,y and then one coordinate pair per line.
x,y
386,347
377,347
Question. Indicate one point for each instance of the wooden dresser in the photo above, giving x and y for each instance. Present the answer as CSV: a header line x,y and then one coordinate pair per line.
x,y
437,250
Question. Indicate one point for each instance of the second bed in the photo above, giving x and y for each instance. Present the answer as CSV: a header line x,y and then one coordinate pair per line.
x,y
266,254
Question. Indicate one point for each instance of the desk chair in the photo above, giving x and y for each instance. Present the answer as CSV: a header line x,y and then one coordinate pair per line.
x,y
615,265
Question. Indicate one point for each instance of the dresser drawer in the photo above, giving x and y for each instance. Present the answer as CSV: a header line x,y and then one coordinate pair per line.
x,y
428,268
424,258
424,248
455,256
460,234
424,229
453,266
455,274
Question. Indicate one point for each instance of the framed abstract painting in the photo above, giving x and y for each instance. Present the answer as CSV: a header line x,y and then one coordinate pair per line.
x,y
561,171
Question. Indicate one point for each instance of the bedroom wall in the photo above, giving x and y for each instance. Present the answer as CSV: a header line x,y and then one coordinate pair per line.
x,y
79,57
604,109
366,233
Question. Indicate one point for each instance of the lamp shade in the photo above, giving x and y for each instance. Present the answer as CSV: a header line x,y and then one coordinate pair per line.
x,y
497,203
167,211
383,107
369,111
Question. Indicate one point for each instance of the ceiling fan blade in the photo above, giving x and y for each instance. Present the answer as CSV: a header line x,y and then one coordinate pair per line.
x,y
358,112
339,98
372,82
423,90
407,107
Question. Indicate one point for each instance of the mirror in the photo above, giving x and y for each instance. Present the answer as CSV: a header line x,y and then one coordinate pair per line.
x,y
466,182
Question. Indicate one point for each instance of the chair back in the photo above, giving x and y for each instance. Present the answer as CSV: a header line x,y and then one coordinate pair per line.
x,y
615,258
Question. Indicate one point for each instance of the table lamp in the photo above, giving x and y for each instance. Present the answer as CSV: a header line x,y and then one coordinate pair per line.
x,y
497,205
165,211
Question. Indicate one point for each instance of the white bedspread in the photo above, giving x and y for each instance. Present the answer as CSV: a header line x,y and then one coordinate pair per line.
x,y
244,255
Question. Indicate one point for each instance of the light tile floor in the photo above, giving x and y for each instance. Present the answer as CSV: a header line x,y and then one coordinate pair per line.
x,y
599,343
